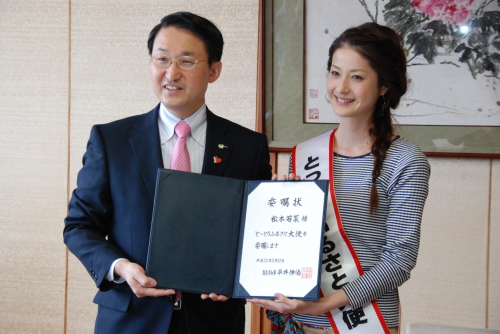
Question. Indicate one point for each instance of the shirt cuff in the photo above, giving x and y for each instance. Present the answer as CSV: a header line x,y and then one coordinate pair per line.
x,y
110,276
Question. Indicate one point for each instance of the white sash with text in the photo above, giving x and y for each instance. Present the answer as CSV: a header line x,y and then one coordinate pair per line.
x,y
313,160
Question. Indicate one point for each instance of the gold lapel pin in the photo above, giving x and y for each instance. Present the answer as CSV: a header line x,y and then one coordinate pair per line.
x,y
221,146
217,160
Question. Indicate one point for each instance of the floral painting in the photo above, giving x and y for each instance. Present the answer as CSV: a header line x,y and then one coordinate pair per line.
x,y
453,52
454,25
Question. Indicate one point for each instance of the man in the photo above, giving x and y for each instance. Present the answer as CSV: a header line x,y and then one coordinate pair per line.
x,y
110,212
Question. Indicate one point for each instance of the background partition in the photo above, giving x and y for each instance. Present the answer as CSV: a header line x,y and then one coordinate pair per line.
x,y
33,164
64,66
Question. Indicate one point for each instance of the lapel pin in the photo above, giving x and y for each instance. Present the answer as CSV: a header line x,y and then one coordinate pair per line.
x,y
217,160
222,146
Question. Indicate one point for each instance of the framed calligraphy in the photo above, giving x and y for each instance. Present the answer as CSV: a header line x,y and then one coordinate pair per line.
x,y
437,113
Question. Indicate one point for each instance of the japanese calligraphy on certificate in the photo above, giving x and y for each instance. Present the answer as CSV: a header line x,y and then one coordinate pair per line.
x,y
281,245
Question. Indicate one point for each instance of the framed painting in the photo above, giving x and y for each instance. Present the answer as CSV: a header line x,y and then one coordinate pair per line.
x,y
453,51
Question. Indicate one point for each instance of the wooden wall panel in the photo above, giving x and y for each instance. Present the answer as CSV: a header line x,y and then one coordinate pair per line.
x,y
33,164
283,162
494,254
448,286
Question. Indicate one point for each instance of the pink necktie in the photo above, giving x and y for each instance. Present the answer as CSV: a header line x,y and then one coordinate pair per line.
x,y
181,161
180,156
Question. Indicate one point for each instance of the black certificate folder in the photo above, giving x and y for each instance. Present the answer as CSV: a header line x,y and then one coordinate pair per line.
x,y
237,238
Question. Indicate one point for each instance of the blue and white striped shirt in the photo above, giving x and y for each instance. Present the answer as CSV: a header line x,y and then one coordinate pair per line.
x,y
386,242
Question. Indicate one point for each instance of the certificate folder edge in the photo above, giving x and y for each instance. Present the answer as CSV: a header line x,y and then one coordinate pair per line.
x,y
314,293
232,288
237,287
228,254
152,219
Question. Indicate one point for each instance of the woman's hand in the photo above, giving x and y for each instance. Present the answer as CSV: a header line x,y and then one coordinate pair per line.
x,y
290,177
283,304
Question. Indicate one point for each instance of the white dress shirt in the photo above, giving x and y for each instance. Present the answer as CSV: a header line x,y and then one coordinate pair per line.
x,y
195,143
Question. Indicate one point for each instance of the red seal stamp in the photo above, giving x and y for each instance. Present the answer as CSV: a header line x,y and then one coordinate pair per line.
x,y
307,273
313,93
313,113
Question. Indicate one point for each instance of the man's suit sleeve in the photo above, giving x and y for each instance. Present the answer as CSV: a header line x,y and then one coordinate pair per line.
x,y
90,214
262,166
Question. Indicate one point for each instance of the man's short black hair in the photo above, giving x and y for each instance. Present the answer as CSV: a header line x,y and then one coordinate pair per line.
x,y
200,26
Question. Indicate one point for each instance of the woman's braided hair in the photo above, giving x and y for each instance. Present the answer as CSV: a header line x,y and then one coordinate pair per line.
x,y
383,48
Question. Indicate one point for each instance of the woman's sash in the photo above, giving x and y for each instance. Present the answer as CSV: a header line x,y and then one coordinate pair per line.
x,y
311,160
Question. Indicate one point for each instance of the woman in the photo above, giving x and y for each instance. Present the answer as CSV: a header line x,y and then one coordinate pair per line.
x,y
379,183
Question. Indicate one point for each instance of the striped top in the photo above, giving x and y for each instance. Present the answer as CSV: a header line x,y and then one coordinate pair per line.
x,y
386,242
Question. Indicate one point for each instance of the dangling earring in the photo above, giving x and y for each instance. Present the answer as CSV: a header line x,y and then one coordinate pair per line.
x,y
383,106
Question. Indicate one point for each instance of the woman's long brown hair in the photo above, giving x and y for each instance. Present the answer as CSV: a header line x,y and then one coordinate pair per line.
x,y
383,48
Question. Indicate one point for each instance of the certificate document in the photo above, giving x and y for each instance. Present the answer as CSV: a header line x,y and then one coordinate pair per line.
x,y
237,238
282,237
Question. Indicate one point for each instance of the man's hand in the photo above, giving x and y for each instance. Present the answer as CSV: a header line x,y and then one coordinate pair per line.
x,y
136,278
214,297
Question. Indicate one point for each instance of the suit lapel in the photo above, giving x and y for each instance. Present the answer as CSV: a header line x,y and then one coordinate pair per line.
x,y
216,159
146,147
147,150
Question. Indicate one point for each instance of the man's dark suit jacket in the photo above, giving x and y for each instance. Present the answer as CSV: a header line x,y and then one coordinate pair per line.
x,y
109,217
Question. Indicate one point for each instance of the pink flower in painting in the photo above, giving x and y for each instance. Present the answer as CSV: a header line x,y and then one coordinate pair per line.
x,y
456,11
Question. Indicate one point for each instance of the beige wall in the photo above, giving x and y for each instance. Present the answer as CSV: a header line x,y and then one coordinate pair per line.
x,y
33,164
65,65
